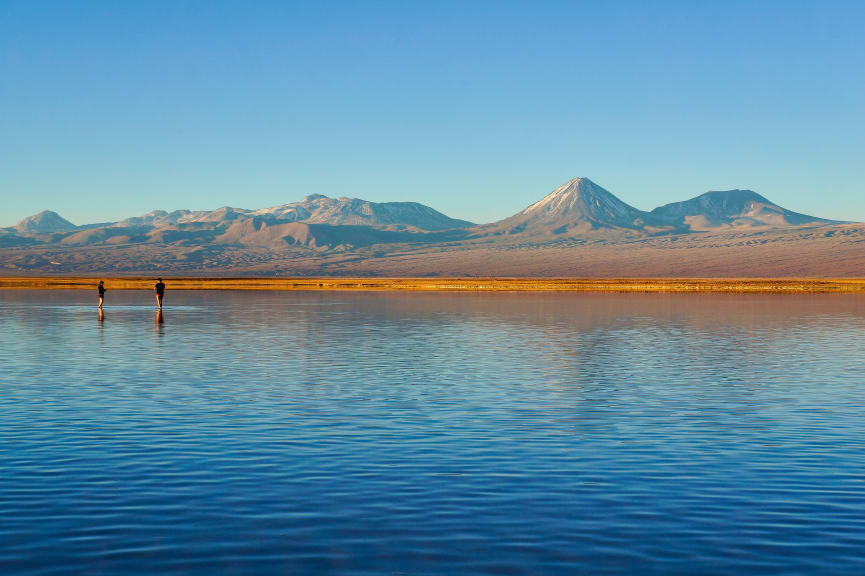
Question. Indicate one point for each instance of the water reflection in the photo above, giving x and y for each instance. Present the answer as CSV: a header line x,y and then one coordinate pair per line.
x,y
375,433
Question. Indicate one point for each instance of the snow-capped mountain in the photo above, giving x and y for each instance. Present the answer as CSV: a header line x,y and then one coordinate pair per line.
x,y
578,206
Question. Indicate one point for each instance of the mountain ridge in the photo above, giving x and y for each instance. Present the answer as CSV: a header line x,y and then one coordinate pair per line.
x,y
577,230
578,208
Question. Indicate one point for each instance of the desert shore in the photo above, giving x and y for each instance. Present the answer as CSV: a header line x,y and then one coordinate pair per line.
x,y
763,285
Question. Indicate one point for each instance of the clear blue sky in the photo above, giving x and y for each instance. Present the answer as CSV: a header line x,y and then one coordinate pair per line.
x,y
111,109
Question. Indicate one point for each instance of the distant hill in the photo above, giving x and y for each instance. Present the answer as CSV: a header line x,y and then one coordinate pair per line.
x,y
160,218
319,209
314,209
731,209
46,222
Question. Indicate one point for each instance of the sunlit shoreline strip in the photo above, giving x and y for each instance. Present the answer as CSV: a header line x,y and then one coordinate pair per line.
x,y
764,285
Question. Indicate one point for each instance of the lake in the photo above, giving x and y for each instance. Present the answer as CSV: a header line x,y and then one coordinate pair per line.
x,y
431,433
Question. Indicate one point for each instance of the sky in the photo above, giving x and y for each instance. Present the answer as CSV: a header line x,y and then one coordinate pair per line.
x,y
112,109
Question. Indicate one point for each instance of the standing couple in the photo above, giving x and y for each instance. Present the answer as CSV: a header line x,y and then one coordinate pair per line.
x,y
160,292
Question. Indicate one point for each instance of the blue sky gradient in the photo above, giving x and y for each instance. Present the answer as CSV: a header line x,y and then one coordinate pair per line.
x,y
112,109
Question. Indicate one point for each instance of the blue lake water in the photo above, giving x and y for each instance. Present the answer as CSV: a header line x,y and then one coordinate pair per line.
x,y
388,433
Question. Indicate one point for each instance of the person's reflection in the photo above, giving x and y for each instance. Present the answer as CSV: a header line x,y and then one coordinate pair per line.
x,y
160,319
101,315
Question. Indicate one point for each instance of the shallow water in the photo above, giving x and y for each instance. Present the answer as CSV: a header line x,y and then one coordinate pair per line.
x,y
379,433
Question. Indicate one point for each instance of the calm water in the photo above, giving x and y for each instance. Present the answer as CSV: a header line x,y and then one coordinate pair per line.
x,y
331,433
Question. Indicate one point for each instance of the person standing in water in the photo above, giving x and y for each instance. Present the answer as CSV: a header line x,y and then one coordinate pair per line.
x,y
160,291
101,289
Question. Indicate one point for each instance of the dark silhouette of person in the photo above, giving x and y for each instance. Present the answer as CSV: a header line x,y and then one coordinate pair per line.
x,y
160,291
101,289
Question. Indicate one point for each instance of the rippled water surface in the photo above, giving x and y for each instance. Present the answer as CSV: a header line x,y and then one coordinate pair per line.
x,y
387,433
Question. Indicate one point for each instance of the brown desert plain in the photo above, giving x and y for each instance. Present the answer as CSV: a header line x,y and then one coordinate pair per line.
x,y
836,251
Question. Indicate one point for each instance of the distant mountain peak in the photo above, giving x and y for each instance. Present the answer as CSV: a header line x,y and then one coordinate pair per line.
x,y
563,197
731,208
321,209
578,205
45,222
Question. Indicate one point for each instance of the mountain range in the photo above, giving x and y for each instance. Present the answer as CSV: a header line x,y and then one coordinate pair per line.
x,y
349,235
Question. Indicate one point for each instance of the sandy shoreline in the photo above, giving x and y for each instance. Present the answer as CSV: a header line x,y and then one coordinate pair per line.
x,y
764,285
